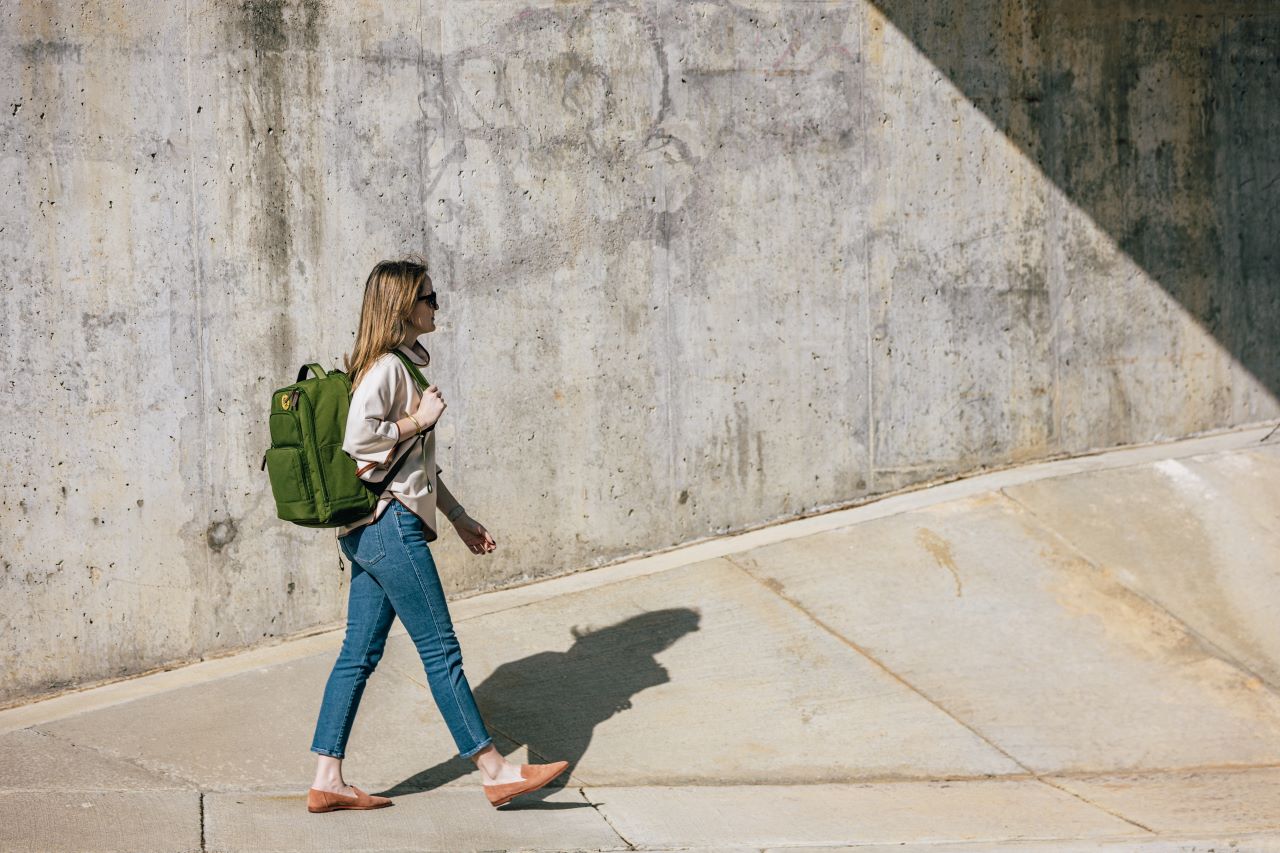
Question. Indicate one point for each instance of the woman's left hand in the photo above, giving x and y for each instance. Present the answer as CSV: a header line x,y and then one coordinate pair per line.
x,y
474,535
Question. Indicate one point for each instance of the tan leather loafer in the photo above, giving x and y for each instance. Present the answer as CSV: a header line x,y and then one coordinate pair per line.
x,y
535,776
328,801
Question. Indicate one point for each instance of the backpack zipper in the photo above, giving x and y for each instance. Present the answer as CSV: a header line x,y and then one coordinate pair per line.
x,y
291,408
324,485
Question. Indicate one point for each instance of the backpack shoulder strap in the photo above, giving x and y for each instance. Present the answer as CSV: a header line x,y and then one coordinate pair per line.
x,y
412,368
418,378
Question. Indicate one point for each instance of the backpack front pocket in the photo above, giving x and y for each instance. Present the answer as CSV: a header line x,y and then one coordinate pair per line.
x,y
289,484
285,430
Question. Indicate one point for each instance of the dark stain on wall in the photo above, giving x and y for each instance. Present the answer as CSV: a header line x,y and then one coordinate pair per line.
x,y
220,534
279,41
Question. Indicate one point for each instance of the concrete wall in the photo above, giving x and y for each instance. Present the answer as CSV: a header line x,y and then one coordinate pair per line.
x,y
702,265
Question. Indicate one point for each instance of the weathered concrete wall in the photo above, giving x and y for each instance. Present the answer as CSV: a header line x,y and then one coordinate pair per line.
x,y
702,265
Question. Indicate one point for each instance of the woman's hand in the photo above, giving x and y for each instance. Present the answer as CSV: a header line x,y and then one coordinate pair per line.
x,y
430,407
473,533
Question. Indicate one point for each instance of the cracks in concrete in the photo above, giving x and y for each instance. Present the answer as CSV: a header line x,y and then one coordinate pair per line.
x,y
202,836
1030,773
815,619
582,791
1082,798
186,783
581,785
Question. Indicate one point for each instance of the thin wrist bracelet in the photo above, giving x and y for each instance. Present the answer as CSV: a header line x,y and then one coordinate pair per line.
x,y
415,421
457,512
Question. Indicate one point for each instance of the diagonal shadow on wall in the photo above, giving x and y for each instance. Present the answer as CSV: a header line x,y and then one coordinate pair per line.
x,y
1161,121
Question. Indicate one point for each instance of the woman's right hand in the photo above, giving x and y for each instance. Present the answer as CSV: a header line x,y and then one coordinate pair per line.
x,y
430,407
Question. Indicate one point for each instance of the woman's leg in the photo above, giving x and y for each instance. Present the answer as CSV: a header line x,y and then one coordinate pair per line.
x,y
369,617
409,577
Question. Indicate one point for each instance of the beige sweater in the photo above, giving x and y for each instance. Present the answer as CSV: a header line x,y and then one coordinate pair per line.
x,y
385,395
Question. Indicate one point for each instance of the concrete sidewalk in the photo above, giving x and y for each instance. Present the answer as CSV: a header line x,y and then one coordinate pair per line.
x,y
1077,655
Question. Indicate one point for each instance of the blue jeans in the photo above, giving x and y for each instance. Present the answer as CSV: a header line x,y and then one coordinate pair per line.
x,y
393,574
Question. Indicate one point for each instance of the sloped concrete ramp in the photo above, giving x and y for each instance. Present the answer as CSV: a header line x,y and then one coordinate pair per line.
x,y
1077,655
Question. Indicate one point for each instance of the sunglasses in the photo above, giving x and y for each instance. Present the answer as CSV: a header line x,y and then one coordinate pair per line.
x,y
430,299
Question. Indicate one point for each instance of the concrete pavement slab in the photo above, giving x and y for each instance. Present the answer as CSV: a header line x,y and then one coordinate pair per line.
x,y
31,760
100,821
218,665
253,731
451,820
1002,623
240,732
892,812
1201,801
1200,536
699,675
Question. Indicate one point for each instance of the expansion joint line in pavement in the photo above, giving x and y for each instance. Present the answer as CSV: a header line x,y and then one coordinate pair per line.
x,y
116,756
582,791
581,785
729,558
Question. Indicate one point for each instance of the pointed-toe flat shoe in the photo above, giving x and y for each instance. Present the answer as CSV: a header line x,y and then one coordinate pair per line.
x,y
328,801
535,776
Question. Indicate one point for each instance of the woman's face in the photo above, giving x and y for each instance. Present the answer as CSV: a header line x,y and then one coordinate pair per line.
x,y
423,316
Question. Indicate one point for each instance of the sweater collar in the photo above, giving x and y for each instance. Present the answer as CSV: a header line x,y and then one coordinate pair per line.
x,y
415,351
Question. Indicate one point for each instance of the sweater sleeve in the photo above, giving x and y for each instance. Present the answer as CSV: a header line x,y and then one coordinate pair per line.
x,y
371,432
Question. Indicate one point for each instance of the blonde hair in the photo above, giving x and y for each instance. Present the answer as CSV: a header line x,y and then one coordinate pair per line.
x,y
390,292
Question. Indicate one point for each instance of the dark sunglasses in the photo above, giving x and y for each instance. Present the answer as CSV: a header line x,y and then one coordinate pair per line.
x,y
430,299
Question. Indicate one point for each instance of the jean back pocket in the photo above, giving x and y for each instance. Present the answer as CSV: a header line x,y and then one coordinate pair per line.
x,y
364,545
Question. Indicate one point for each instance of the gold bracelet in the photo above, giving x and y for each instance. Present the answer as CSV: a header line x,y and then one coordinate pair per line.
x,y
415,421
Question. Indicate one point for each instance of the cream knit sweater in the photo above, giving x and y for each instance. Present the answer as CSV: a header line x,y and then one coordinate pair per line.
x,y
385,395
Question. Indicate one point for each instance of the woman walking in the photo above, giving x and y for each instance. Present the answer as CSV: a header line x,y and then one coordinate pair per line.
x,y
392,569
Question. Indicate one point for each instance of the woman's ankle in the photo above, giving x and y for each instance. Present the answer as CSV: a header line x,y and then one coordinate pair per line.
x,y
491,763
328,774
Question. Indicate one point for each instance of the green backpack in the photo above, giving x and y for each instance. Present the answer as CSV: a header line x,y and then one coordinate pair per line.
x,y
313,480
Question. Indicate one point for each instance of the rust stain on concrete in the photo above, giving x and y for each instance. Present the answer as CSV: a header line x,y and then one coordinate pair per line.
x,y
940,550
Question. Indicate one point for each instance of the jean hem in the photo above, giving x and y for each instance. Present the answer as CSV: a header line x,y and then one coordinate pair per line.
x,y
328,753
487,741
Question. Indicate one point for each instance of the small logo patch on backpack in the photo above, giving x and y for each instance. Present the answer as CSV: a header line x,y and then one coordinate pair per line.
x,y
284,401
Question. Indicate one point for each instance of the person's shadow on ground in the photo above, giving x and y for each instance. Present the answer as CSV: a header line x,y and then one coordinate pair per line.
x,y
552,701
